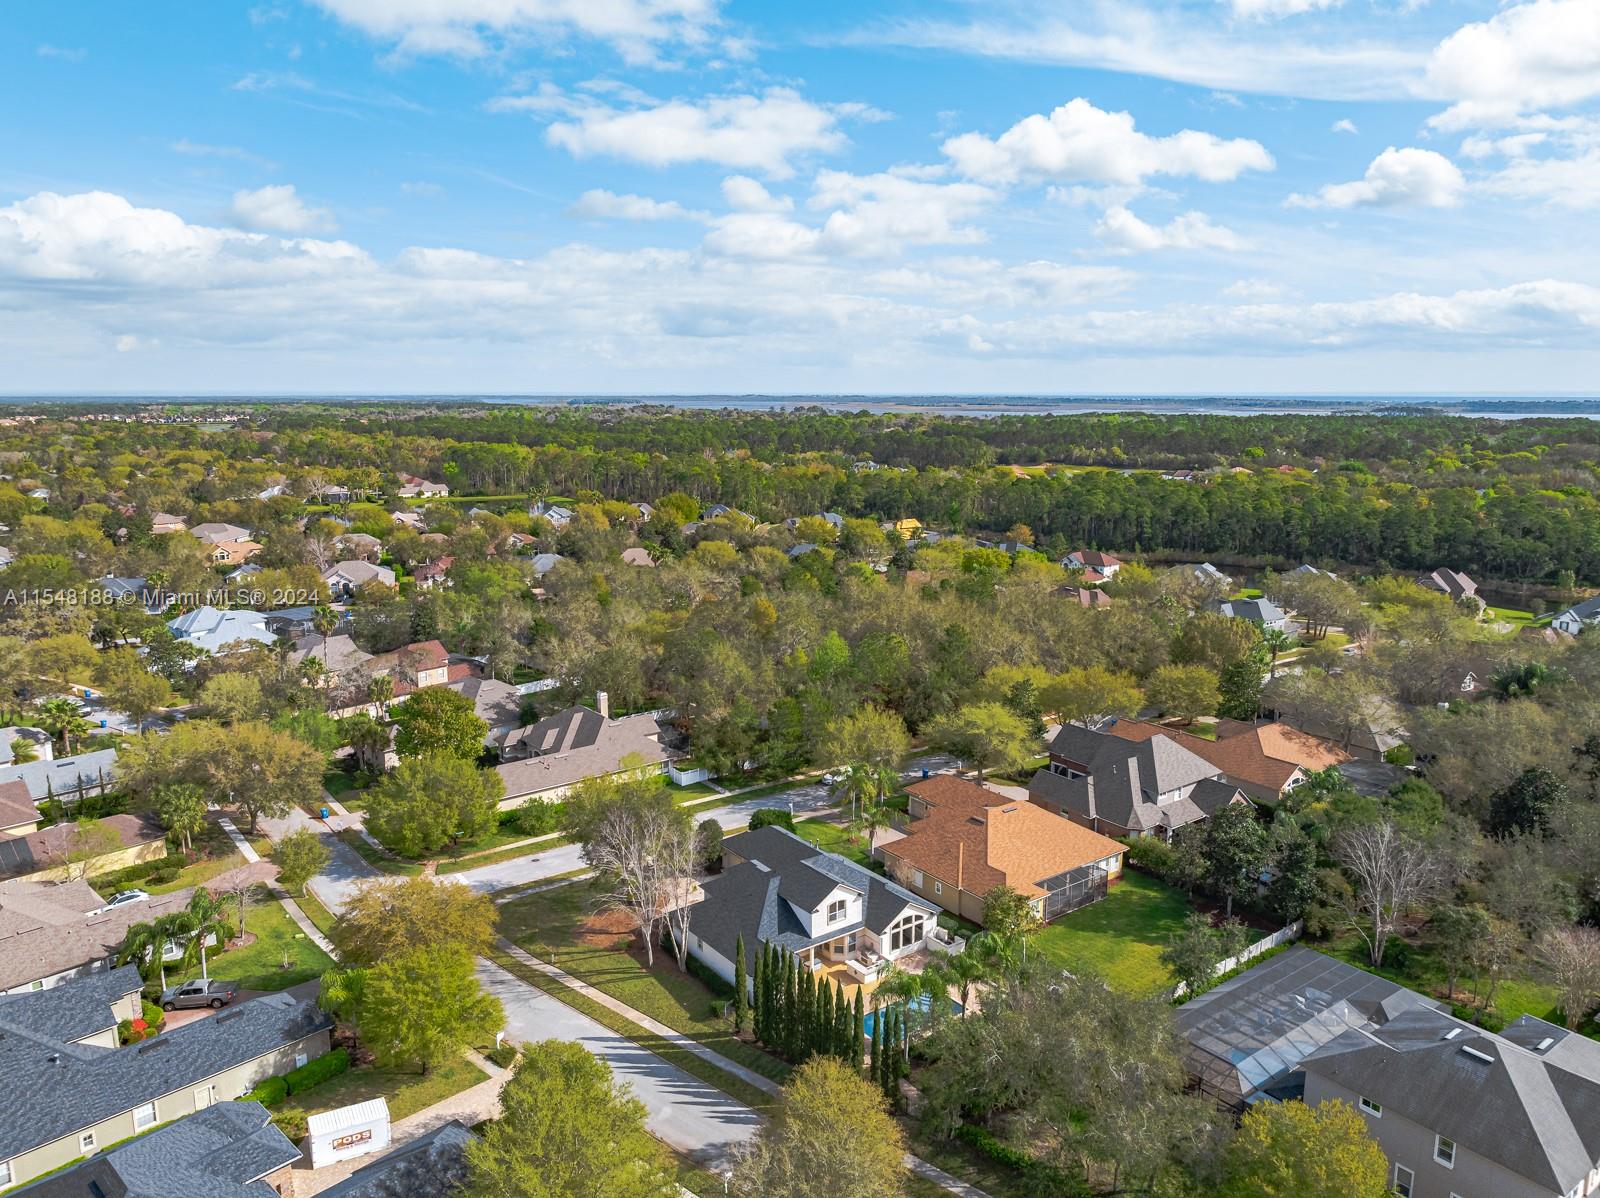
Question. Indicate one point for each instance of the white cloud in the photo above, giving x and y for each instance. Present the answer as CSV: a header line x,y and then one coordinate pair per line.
x,y
1344,125
1516,145
1527,57
1395,178
1254,290
130,342
1563,182
1081,143
1263,10
278,209
745,132
471,28
199,149
1124,232
744,194
600,204
65,53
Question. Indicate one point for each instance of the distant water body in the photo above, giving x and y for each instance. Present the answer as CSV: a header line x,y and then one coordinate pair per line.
x,y
1503,407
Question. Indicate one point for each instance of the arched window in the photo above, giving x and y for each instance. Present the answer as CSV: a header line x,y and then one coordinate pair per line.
x,y
906,932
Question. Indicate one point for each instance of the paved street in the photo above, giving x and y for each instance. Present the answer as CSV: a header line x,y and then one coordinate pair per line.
x,y
692,1116
345,868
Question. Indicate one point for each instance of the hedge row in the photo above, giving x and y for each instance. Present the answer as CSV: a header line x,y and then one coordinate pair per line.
x,y
1052,1178
269,1092
312,1073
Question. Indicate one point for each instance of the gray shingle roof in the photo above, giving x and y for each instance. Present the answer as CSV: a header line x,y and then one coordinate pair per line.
x,y
219,1152
45,1099
429,1166
1257,611
50,927
65,774
1125,779
69,1013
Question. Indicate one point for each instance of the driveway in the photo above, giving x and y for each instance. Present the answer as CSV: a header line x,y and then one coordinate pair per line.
x,y
345,869
690,1115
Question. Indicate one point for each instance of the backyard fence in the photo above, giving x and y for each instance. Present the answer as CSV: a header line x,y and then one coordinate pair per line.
x,y
1265,945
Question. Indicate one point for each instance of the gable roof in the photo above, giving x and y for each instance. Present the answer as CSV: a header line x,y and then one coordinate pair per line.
x,y
48,928
1125,779
47,1098
752,899
1451,582
358,573
63,775
339,653
211,628
575,744
16,805
47,848
222,1151
213,531
1265,755
979,839
1257,611
418,1167
496,703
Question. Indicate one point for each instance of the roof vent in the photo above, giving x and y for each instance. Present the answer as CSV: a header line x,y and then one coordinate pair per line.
x,y
1476,1054
762,867
1544,1044
1452,1033
152,1045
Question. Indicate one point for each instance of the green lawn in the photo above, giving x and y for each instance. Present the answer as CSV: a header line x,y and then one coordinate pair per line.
x,y
456,865
377,858
558,926
260,966
1511,615
405,1090
688,794
1120,937
832,838
321,918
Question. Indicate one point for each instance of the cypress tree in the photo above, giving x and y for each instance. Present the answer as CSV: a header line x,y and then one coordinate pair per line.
x,y
890,1073
876,1072
858,1030
824,1040
791,1006
758,1007
806,1033
741,984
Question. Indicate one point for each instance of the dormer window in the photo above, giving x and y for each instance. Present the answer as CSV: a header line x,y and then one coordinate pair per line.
x,y
836,910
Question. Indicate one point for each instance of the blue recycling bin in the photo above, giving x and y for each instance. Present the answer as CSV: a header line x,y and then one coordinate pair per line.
x,y
924,771
324,812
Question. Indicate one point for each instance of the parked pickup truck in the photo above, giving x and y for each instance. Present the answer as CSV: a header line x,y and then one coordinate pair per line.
x,y
198,994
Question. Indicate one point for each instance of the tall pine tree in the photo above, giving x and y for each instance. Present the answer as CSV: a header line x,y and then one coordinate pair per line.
x,y
741,988
758,1007
889,1076
822,1038
879,1061
858,1030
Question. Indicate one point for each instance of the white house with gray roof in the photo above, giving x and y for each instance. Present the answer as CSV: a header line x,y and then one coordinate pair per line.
x,y
1577,617
215,629
835,916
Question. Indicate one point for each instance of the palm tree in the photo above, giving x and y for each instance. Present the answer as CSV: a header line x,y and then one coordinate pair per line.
x,y
202,919
1000,954
324,620
858,784
379,691
965,971
145,944
368,739
1276,641
61,717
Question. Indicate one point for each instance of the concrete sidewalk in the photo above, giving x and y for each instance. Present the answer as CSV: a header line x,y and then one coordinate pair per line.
x,y
278,892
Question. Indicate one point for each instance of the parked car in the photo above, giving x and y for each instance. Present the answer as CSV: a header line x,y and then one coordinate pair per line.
x,y
213,993
123,897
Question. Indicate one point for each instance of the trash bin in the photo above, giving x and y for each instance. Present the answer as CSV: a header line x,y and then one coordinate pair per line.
x,y
924,771
324,812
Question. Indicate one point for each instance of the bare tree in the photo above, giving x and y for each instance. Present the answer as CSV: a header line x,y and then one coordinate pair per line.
x,y
1390,873
646,855
1572,955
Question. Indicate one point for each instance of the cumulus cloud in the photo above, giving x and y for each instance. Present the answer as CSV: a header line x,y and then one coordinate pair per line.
x,y
1123,232
1395,178
1344,125
746,132
744,194
600,204
1264,10
1527,57
1081,143
278,209
200,149
471,28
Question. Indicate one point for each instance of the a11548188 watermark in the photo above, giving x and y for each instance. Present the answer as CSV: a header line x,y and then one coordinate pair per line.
x,y
157,599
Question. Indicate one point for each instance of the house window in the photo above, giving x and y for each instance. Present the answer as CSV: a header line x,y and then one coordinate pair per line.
x,y
938,887
144,1116
906,933
1403,1178
1372,1108
836,910
36,986
299,1059
1444,1151
5,1173
86,1142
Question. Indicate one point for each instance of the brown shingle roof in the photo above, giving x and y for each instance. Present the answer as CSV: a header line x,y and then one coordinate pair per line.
x,y
16,805
1267,755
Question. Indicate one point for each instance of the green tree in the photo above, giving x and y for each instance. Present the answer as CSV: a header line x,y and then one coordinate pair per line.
x,y
233,697
741,988
204,919
433,801
62,720
385,917
437,720
1239,687
1527,804
1090,695
567,1129
1455,929
299,856
1195,950
872,736
1291,1150
1184,691
1233,846
986,736
367,738
129,686
833,1137
1008,913
181,808
424,1006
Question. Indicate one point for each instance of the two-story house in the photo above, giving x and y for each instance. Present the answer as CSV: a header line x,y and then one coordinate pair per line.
x,y
836,917
1129,788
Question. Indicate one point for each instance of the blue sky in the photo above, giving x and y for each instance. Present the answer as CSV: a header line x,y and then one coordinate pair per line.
x,y
666,196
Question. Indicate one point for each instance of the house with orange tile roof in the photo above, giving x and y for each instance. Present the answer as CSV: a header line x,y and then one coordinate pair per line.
x,y
966,839
1266,761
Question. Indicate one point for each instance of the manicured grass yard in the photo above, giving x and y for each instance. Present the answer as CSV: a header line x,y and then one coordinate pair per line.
x,y
560,926
376,857
1120,937
259,966
405,1090
688,794
832,838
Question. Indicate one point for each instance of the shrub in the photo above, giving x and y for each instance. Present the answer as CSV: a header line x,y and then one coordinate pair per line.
x,y
329,1065
1399,755
292,1123
772,817
504,1056
1048,1178
269,1092
1150,854
124,879
536,818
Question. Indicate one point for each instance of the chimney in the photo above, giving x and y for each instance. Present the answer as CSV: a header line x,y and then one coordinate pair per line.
x,y
602,704
961,863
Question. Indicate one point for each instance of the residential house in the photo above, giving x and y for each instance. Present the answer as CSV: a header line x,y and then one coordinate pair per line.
x,y
215,630
431,1165
1203,573
165,522
1266,761
18,814
337,656
434,573
800,550
907,528
6,556
543,563
1576,618
39,493
839,919
72,777
558,517
1305,570
1375,730
359,546
1457,1110
1088,597
411,520
968,839
272,492
1086,560
52,932
645,511
545,759
293,622
344,579
246,571
1128,788
233,553
70,1093
1263,613
516,542
412,487
211,533
1452,583
496,703
53,854
229,1150
332,494
637,556
31,742
719,511
131,592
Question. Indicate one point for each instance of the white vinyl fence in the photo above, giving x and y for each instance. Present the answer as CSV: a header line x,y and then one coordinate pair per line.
x,y
1265,945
